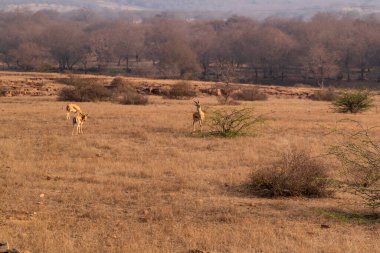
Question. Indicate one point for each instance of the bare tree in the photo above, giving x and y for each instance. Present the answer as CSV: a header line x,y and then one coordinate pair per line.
x,y
29,55
67,44
203,41
129,39
168,43
321,64
102,46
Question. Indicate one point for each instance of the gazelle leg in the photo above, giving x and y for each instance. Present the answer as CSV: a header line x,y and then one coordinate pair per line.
x,y
193,126
72,132
200,125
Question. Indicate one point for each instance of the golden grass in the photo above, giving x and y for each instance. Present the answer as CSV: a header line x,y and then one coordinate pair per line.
x,y
138,181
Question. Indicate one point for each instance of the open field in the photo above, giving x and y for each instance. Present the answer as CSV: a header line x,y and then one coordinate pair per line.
x,y
138,181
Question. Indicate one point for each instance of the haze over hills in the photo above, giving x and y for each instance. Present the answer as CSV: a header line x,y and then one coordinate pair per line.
x,y
253,8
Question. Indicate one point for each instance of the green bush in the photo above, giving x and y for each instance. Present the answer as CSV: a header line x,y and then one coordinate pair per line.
x,y
295,173
181,90
353,101
233,122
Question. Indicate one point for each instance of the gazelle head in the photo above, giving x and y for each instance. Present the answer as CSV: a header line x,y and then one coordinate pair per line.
x,y
197,104
84,117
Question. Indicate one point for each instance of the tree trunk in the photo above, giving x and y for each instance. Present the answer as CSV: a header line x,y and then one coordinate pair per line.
x,y
205,70
322,83
85,68
362,70
137,58
127,64
270,72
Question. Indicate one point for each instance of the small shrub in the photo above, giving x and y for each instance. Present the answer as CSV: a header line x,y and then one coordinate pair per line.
x,y
181,90
225,100
359,154
119,84
85,93
126,93
296,173
232,123
353,101
3,91
44,67
328,94
134,98
252,94
226,96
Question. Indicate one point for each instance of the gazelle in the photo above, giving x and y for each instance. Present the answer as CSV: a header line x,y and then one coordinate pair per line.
x,y
198,116
72,108
78,121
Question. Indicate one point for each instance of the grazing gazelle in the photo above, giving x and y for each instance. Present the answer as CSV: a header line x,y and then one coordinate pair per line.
x,y
198,116
72,108
78,121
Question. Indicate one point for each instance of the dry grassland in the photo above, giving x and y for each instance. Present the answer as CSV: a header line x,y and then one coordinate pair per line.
x,y
138,181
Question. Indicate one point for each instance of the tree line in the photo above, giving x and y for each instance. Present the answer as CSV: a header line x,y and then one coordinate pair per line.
x,y
327,48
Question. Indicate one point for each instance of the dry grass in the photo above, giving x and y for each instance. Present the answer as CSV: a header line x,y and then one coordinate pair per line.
x,y
138,181
251,94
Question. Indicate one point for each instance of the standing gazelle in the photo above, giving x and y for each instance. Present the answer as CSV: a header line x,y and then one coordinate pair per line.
x,y
72,108
78,121
198,116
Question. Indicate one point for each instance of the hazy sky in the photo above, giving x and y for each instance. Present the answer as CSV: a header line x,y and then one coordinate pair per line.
x,y
257,8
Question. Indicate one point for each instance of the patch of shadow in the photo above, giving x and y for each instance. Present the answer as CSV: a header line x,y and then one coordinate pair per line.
x,y
87,180
137,136
221,214
166,130
265,191
138,175
350,216
245,190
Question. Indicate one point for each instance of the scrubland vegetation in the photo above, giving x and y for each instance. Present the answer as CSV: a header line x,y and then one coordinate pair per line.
x,y
90,90
138,180
271,170
354,101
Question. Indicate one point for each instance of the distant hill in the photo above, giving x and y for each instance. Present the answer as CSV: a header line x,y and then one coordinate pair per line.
x,y
253,8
